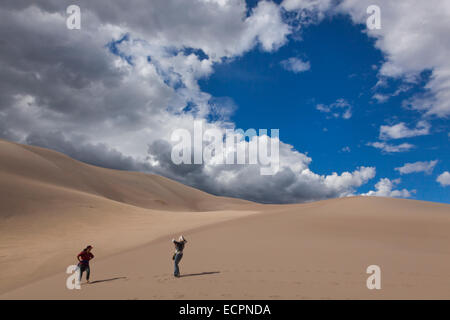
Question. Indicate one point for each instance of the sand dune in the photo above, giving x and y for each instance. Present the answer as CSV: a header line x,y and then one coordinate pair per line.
x,y
52,206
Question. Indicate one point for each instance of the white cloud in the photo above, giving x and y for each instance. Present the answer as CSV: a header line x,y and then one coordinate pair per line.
x,y
293,182
295,65
411,38
400,130
419,166
384,188
444,179
266,25
346,179
320,5
390,148
308,10
383,97
339,109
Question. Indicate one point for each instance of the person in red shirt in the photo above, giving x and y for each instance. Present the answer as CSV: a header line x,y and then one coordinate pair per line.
x,y
83,262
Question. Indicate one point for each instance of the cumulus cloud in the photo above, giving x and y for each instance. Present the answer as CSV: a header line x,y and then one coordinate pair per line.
x,y
407,33
444,179
419,166
295,65
400,130
267,26
385,188
339,109
80,82
391,148
112,93
293,182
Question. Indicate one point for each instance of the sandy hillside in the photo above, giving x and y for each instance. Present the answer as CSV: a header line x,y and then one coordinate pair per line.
x,y
51,206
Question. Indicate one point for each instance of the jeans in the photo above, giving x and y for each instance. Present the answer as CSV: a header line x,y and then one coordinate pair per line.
x,y
177,260
84,268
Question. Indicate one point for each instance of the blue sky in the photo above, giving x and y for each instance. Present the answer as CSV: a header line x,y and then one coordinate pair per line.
x,y
343,61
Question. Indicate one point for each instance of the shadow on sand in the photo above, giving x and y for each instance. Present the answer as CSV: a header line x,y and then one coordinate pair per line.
x,y
106,280
198,274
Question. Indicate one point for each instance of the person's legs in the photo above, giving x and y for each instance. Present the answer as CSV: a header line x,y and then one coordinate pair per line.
x,y
81,271
88,273
84,268
176,271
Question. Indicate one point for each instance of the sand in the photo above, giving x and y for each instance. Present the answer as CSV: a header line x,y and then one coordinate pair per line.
x,y
52,206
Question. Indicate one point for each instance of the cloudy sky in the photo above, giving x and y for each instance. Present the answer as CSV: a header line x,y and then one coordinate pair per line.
x,y
359,111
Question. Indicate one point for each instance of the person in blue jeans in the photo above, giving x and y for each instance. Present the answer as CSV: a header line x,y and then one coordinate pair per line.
x,y
83,262
179,247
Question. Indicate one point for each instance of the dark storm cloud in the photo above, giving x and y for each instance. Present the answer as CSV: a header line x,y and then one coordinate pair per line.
x,y
96,154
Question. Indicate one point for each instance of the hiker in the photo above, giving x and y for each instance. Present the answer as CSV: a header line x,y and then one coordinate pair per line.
x,y
179,246
83,261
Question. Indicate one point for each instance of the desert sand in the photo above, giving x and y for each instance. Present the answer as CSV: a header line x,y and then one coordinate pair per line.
x,y
52,206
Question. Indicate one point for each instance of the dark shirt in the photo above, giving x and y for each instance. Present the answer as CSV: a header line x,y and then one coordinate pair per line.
x,y
85,257
179,246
